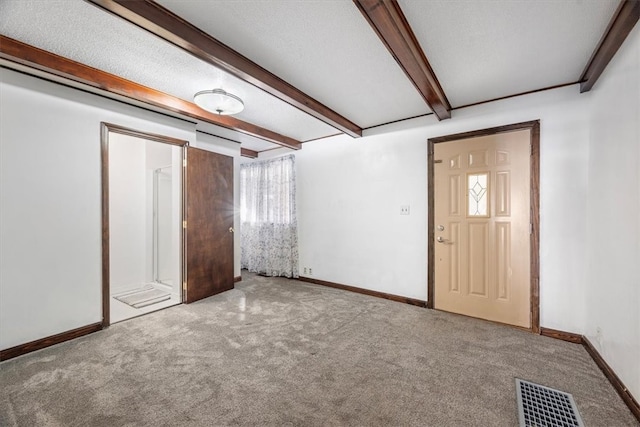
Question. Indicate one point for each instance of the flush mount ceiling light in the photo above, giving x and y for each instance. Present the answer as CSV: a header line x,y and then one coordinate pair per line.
x,y
218,101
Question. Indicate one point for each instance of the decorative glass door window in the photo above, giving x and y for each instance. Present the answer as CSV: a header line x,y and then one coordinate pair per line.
x,y
477,195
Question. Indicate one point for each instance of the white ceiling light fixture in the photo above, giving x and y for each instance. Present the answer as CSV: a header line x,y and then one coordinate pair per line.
x,y
219,101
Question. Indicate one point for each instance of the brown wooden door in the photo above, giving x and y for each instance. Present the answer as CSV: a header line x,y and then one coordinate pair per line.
x,y
209,216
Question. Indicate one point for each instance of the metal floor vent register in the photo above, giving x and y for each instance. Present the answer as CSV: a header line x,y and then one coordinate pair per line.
x,y
540,406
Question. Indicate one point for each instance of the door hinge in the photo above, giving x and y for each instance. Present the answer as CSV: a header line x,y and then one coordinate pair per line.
x,y
184,163
184,286
184,224
530,228
437,161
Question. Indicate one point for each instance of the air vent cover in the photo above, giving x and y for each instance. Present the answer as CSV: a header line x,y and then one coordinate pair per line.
x,y
541,406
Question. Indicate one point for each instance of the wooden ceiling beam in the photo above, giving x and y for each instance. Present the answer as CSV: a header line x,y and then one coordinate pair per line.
x,y
165,24
21,53
245,152
621,24
388,21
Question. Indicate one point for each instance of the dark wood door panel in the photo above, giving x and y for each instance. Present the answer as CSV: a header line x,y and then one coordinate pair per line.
x,y
209,215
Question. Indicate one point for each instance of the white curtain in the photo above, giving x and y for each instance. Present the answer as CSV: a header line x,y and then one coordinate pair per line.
x,y
269,232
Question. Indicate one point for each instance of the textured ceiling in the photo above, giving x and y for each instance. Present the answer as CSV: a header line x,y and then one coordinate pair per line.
x,y
324,48
482,50
84,33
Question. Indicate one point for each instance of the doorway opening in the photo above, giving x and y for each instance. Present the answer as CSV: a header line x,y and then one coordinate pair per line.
x,y
142,222
483,225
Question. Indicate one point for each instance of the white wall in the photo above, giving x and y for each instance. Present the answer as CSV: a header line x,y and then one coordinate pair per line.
x,y
50,201
613,280
160,155
127,213
231,149
350,192
132,162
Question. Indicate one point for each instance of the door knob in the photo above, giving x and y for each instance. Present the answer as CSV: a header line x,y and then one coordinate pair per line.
x,y
231,230
441,240
441,228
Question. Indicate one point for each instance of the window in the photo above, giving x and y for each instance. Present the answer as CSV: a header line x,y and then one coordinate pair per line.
x,y
477,195
269,231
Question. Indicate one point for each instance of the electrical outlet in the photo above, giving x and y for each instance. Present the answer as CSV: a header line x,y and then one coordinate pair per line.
x,y
305,270
310,272
404,210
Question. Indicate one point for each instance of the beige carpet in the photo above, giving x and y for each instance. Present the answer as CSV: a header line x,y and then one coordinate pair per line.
x,y
277,352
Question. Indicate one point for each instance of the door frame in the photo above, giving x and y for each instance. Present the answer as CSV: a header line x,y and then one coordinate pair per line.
x,y
105,129
534,127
